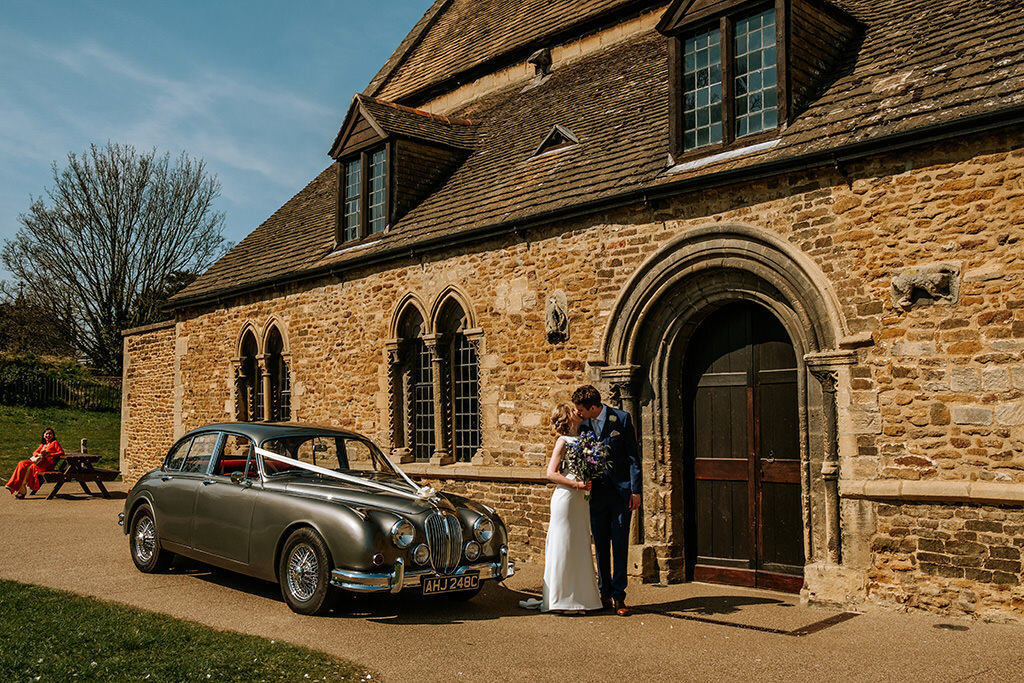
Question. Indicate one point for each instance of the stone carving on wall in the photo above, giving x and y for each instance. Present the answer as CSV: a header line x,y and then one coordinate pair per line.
x,y
556,317
932,283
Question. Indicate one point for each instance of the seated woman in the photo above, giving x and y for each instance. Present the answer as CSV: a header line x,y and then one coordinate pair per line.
x,y
44,459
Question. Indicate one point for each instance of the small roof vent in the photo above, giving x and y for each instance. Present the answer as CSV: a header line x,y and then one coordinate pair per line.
x,y
560,137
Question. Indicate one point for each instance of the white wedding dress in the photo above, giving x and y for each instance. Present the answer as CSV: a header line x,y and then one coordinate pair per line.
x,y
570,582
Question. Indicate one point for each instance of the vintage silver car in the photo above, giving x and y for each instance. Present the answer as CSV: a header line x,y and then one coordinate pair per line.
x,y
313,508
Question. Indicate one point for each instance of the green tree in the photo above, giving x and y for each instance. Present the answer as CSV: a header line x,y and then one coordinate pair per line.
x,y
119,230
26,326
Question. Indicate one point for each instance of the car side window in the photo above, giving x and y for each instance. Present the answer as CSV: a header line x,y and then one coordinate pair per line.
x,y
235,456
177,456
320,451
358,456
200,453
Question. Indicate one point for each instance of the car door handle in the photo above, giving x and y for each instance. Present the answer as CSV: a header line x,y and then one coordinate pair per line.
x,y
207,482
166,477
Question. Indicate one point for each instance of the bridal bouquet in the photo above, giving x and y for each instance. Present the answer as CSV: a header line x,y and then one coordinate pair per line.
x,y
587,458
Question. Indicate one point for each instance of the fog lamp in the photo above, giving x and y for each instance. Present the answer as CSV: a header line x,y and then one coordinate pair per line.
x,y
472,551
421,554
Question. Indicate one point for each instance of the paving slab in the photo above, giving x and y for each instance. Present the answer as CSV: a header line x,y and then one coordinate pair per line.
x,y
682,632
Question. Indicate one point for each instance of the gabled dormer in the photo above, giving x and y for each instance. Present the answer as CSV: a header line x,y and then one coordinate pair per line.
x,y
742,70
390,158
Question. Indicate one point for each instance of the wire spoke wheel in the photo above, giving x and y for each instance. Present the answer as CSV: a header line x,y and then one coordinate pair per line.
x,y
302,572
145,539
144,543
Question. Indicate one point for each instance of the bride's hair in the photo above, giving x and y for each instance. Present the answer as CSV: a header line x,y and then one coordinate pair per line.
x,y
561,418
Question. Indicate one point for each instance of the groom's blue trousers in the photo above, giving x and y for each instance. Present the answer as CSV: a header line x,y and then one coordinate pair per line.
x,y
609,525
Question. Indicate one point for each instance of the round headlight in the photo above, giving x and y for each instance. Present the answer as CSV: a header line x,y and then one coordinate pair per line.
x,y
403,533
483,530
472,551
420,554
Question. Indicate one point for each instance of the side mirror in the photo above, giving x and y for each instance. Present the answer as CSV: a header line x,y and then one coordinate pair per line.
x,y
239,479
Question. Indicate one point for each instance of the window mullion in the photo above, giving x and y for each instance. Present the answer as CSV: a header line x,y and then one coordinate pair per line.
x,y
728,82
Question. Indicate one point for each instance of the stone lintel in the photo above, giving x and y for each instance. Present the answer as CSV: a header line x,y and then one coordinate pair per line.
x,y
939,491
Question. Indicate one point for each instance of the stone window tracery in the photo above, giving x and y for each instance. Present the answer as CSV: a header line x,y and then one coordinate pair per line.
x,y
434,382
262,379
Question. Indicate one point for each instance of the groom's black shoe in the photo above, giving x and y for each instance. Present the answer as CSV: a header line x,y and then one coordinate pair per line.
x,y
606,603
621,609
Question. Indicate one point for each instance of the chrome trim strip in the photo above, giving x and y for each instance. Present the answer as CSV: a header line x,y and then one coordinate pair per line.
x,y
399,578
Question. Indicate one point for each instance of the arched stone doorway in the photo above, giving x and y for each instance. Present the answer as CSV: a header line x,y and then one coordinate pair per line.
x,y
653,341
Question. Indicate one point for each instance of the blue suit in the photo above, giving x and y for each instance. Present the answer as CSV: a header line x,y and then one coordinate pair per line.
x,y
609,502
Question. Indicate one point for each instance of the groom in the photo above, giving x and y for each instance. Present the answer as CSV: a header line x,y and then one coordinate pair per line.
x,y
614,496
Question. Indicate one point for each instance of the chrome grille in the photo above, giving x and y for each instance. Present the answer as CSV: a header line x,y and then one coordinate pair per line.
x,y
444,538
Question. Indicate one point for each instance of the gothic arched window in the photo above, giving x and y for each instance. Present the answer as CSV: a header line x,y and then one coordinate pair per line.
x,y
461,388
248,381
280,378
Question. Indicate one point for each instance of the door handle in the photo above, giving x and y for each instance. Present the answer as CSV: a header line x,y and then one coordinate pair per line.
x,y
770,459
207,482
166,477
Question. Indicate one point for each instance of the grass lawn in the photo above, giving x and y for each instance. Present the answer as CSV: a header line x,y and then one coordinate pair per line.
x,y
21,429
48,635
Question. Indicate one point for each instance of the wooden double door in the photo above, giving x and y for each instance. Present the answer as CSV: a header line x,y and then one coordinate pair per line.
x,y
742,464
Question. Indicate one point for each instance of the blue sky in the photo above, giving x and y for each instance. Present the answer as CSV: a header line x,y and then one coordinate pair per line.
x,y
258,89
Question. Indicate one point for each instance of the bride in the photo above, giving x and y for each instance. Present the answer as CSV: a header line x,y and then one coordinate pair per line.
x,y
570,584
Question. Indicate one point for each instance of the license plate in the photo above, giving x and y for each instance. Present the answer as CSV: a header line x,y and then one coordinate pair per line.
x,y
450,584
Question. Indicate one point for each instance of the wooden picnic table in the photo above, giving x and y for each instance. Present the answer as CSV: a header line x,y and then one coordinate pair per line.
x,y
80,467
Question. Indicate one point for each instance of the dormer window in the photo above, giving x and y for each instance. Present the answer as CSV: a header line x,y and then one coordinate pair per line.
x,y
739,69
390,158
364,196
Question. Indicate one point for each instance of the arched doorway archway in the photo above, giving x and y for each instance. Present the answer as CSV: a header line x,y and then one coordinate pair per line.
x,y
653,325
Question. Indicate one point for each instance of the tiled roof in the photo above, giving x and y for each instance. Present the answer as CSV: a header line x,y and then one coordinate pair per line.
x,y
296,237
396,119
921,63
456,36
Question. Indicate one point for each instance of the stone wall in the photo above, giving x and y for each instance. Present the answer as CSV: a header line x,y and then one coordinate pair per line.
x,y
935,390
147,399
963,559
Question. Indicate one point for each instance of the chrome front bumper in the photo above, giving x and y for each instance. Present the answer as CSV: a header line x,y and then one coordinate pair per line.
x,y
399,578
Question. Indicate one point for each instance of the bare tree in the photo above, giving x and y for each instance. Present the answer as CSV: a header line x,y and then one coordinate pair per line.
x,y
119,228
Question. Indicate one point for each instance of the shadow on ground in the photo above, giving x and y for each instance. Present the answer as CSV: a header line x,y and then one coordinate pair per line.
x,y
409,607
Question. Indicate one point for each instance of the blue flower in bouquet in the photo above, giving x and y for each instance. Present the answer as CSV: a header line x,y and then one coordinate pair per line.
x,y
587,458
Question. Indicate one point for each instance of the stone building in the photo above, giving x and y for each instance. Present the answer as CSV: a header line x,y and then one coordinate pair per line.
x,y
785,235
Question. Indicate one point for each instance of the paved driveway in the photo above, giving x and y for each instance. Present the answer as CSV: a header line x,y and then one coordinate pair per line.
x,y
689,632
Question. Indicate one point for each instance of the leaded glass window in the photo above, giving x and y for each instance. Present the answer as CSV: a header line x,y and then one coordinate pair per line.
x,y
729,78
423,403
363,210
702,76
465,399
350,213
378,195
756,94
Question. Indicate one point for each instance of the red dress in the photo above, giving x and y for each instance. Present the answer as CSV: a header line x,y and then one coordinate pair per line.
x,y
50,453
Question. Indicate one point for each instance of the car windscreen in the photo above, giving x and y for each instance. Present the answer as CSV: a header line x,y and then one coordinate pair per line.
x,y
341,453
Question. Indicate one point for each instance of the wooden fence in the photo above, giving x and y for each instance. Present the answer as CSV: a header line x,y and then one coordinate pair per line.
x,y
51,391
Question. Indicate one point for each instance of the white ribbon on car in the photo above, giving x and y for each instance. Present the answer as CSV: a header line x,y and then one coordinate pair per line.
x,y
417,493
